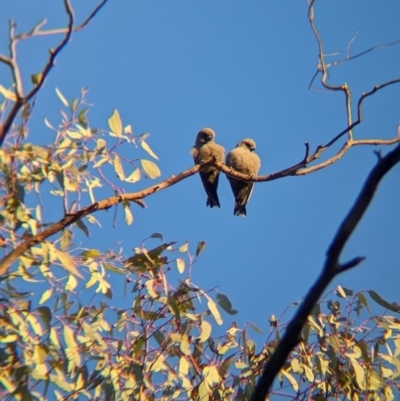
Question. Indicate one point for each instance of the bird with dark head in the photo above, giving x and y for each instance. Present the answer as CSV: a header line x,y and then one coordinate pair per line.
x,y
204,149
245,161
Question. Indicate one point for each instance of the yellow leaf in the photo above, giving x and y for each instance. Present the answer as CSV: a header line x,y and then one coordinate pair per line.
x,y
38,213
128,215
8,384
10,338
360,375
341,291
147,148
204,392
205,331
211,376
71,283
115,124
118,168
128,129
387,391
100,162
185,347
150,288
67,262
45,296
184,247
309,374
295,365
74,134
54,338
62,98
291,380
39,354
69,337
8,94
180,263
214,310
36,326
134,177
150,168
183,366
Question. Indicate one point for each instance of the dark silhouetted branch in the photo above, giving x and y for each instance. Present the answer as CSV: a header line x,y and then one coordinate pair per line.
x,y
331,268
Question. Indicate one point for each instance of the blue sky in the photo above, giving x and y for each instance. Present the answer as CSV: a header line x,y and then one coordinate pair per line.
x,y
171,68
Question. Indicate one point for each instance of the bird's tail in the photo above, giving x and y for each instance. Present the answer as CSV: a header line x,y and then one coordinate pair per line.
x,y
213,201
240,210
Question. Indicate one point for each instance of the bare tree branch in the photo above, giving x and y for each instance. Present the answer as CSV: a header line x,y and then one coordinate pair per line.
x,y
36,31
331,268
12,63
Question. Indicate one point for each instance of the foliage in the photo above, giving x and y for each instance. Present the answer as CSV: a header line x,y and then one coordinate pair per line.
x,y
64,338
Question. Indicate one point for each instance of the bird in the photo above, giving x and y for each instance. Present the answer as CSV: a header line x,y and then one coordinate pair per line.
x,y
204,149
245,161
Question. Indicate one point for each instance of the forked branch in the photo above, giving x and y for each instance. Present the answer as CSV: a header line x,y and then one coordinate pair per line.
x,y
11,61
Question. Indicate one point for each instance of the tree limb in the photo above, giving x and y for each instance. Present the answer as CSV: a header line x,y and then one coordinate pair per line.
x,y
71,218
331,268
12,63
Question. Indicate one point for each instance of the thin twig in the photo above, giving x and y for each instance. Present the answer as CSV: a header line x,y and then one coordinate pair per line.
x,y
21,99
37,32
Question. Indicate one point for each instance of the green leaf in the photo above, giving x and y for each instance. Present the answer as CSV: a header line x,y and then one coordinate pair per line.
x,y
82,117
81,225
156,235
225,304
36,78
62,98
46,315
174,307
146,147
115,124
91,253
66,239
150,168
200,247
380,301
255,328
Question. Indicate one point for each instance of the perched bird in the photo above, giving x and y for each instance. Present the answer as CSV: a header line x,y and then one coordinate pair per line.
x,y
243,160
204,149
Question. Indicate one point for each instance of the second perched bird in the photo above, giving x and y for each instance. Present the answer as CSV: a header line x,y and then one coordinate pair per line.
x,y
243,160
204,149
